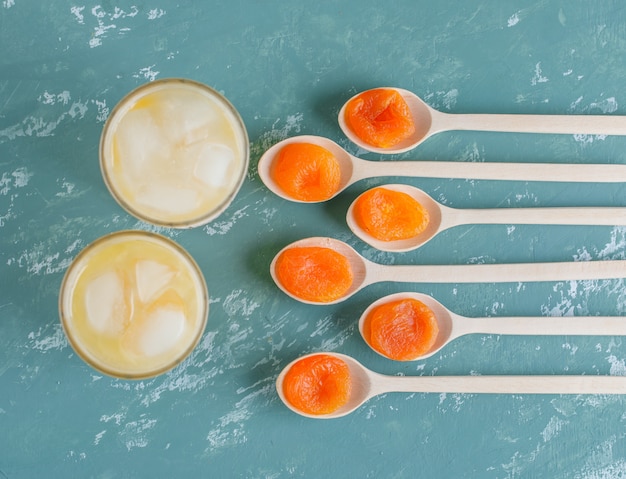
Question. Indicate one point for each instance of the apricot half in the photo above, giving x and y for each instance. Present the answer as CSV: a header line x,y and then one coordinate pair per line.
x,y
307,172
390,215
401,330
380,117
318,384
314,273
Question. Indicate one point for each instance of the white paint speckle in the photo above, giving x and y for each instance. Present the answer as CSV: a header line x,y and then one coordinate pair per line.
x,y
78,13
156,13
224,226
103,110
76,456
451,402
587,139
18,178
117,418
106,21
238,305
322,326
39,262
616,246
553,428
443,99
98,437
42,127
67,189
538,76
607,105
42,342
600,463
147,73
618,366
291,126
230,428
135,433
572,348
73,247
513,20
48,98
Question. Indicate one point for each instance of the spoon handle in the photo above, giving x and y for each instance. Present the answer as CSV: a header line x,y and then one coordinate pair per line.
x,y
499,273
609,216
575,173
550,384
556,124
543,325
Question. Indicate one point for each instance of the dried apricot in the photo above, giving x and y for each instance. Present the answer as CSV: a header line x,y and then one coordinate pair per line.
x,y
314,273
401,330
307,172
380,117
390,215
318,384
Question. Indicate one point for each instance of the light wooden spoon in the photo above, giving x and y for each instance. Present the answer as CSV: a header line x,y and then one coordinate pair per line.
x,y
366,384
354,169
442,217
366,272
429,122
452,325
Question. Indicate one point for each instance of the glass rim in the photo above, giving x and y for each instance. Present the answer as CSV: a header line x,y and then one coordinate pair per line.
x,y
138,92
83,352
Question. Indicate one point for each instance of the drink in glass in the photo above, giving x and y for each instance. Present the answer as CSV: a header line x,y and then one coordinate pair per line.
x,y
133,304
174,153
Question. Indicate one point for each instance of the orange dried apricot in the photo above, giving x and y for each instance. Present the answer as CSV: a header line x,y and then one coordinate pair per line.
x,y
401,330
307,172
317,384
314,273
390,215
380,117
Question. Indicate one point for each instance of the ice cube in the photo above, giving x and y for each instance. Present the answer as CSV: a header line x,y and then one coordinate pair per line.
x,y
213,164
160,331
168,199
187,116
107,310
139,142
152,278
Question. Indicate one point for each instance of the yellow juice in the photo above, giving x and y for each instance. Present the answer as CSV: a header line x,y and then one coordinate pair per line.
x,y
133,304
174,153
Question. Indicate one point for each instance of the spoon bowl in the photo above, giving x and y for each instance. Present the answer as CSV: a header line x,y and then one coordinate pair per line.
x,y
366,272
358,265
442,218
422,115
435,210
429,121
452,325
353,169
361,387
445,321
268,158
366,384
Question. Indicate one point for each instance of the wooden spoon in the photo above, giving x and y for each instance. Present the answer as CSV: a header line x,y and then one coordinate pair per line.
x,y
366,272
354,169
442,217
452,326
366,384
429,122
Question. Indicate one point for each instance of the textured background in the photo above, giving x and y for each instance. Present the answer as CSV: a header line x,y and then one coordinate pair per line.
x,y
288,67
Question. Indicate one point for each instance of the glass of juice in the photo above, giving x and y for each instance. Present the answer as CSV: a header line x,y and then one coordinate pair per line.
x,y
174,152
133,304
